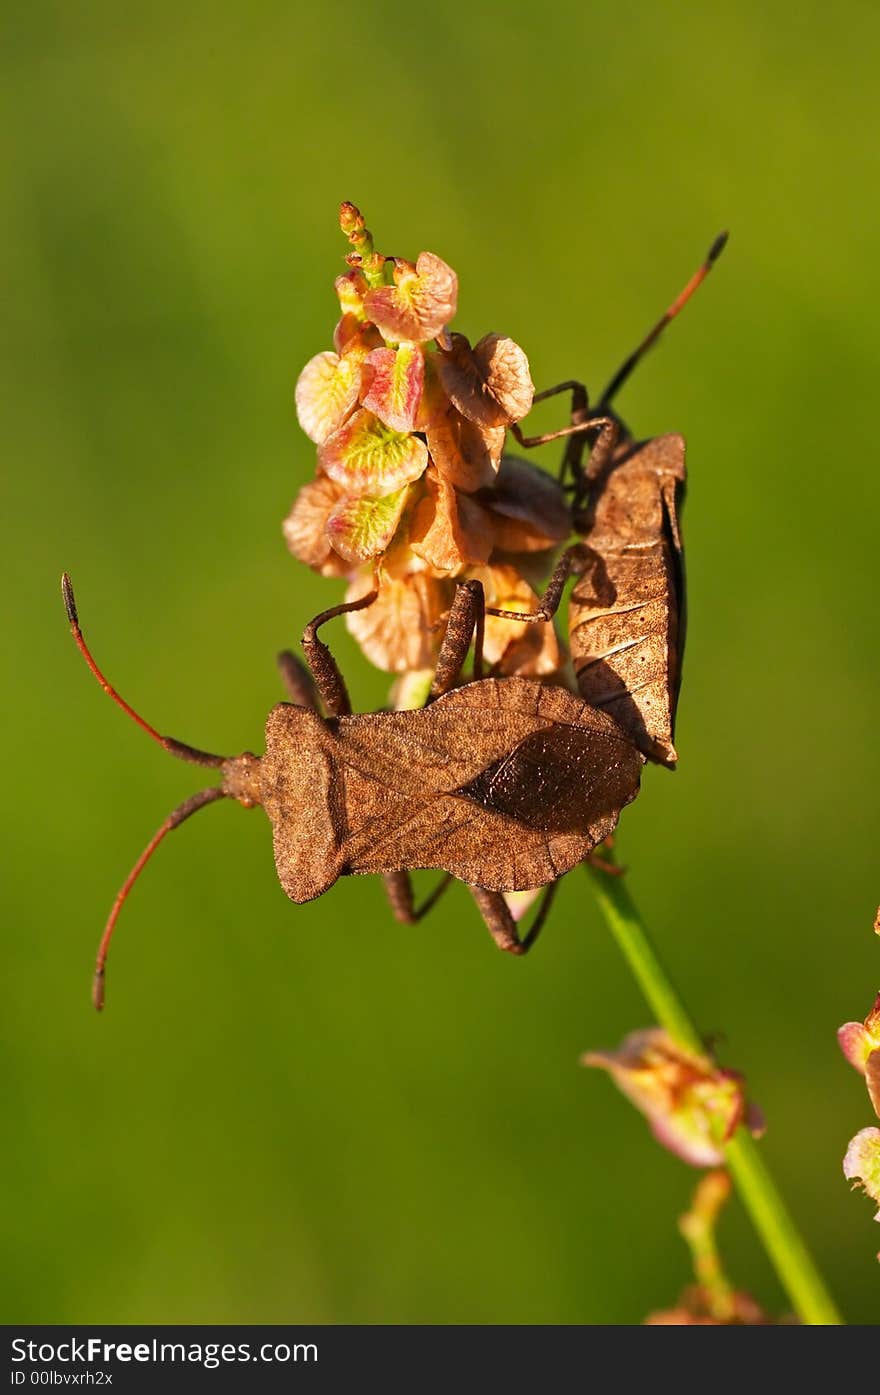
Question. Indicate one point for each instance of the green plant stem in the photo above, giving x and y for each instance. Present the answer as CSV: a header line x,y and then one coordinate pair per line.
x,y
781,1238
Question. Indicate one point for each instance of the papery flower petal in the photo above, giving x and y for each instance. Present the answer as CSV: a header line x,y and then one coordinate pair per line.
x,y
360,529
530,511
872,1080
423,299
862,1163
691,1105
433,403
856,1044
448,530
326,393
394,381
467,454
489,384
401,629
355,338
346,329
860,1044
305,527
517,647
366,458
351,289
519,902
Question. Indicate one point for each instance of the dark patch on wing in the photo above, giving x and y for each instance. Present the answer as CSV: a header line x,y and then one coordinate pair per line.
x,y
551,781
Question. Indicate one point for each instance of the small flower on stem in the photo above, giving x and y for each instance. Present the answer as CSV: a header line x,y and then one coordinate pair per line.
x,y
712,1301
420,303
860,1044
692,1106
862,1164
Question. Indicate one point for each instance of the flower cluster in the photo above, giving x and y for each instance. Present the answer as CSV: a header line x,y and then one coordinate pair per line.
x,y
860,1044
413,488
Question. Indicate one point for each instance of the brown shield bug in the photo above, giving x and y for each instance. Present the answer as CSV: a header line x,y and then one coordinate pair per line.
x,y
503,783
627,607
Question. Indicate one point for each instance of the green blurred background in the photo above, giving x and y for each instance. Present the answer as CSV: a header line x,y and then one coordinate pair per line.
x,y
314,1113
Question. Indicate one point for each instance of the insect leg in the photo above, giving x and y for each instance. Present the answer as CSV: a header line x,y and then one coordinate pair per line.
x,y
577,428
573,559
602,858
298,682
322,665
580,401
398,887
501,924
583,423
465,623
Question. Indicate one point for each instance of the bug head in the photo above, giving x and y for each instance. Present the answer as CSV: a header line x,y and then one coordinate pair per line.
x,y
239,780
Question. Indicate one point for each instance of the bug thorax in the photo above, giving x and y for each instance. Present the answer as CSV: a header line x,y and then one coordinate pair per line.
x,y
241,779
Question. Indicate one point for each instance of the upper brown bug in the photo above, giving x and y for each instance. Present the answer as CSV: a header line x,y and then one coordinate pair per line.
x,y
503,783
627,608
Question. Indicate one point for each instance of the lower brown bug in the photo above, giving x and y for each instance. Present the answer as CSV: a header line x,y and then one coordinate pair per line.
x,y
503,783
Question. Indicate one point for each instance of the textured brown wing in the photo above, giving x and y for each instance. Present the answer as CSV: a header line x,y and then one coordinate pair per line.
x,y
626,615
505,783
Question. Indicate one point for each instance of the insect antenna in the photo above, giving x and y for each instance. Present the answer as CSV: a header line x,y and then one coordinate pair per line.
x,y
678,304
173,747
231,787
174,820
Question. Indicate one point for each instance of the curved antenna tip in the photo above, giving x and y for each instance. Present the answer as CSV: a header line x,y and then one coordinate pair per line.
x,y
718,247
69,599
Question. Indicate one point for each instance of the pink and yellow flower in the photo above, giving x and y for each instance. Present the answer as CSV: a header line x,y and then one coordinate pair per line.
x,y
861,1165
692,1105
860,1044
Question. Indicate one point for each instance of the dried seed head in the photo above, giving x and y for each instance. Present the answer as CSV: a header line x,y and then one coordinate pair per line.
x,y
467,454
532,650
400,631
489,384
449,530
529,510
